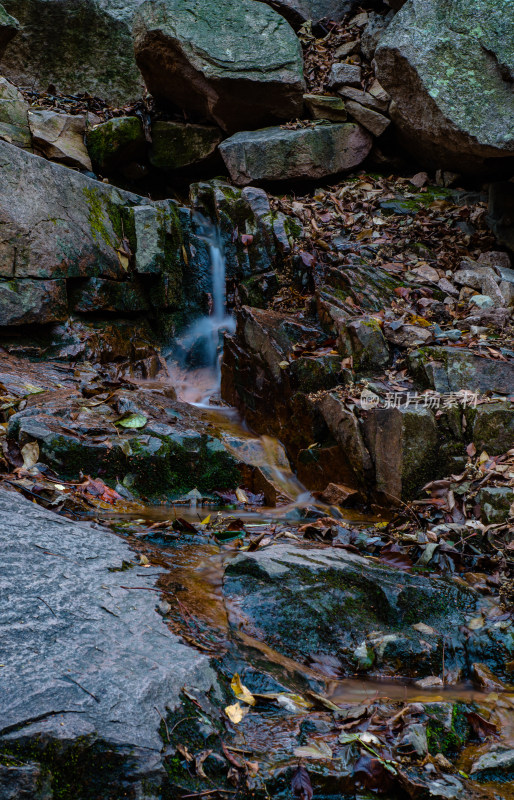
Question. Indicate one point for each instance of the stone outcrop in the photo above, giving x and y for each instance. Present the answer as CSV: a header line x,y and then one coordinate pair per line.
x,y
299,11
69,243
89,668
175,145
115,143
236,62
449,69
59,137
14,124
314,151
9,27
84,46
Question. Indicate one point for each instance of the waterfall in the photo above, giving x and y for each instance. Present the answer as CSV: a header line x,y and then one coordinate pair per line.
x,y
197,352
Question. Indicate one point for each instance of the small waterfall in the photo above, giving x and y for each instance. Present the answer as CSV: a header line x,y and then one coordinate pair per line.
x,y
197,352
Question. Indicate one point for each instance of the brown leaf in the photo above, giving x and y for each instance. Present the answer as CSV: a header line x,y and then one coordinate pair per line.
x,y
246,239
301,784
481,727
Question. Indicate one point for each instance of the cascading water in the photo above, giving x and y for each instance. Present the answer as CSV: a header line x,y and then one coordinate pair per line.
x,y
195,363
196,355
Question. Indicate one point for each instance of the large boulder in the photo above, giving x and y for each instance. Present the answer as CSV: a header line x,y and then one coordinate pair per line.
x,y
14,125
9,27
234,61
449,69
89,668
79,46
315,151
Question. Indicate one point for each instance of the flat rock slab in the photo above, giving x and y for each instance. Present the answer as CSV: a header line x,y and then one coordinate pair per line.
x,y
278,153
375,618
87,662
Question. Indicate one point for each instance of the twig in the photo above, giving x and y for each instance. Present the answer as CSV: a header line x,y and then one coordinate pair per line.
x,y
178,723
165,723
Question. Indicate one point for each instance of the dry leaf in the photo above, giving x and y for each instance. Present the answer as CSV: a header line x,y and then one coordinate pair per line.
x,y
240,691
30,453
235,713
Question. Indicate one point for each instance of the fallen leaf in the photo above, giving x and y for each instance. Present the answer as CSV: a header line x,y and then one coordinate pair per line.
x,y
316,750
240,691
236,712
30,454
133,421
301,784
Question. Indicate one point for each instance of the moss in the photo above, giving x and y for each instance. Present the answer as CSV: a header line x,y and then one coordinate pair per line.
x,y
442,739
109,222
115,139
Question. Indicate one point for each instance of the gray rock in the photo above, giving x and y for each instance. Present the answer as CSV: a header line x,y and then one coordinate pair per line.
x,y
176,145
59,137
495,502
365,99
302,602
450,369
494,762
414,740
32,302
493,427
89,667
322,106
373,121
345,74
501,213
85,46
373,32
403,443
344,427
246,74
481,300
14,124
368,345
118,140
438,59
9,27
282,154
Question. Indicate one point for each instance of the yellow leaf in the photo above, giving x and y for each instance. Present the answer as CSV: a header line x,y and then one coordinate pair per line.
x,y
241,496
30,453
236,713
483,457
206,520
240,691
123,259
476,623
284,364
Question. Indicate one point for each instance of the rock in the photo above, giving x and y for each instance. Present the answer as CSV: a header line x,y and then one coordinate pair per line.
x,y
83,47
413,740
436,61
408,335
493,427
374,122
497,762
299,11
59,137
496,259
14,124
337,495
501,213
9,27
486,680
102,294
344,427
482,301
89,667
495,503
403,443
32,302
283,154
368,345
450,369
304,602
175,145
365,99
322,106
373,32
246,75
116,141
345,74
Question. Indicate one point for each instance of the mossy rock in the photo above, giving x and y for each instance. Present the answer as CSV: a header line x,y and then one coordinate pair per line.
x,y
117,140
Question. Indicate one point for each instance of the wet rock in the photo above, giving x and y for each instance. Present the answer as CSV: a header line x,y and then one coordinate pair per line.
x,y
89,667
260,80
414,740
434,60
403,443
450,369
373,121
32,302
493,428
9,27
495,503
175,145
322,106
303,602
345,428
278,153
102,294
59,137
118,140
14,125
498,762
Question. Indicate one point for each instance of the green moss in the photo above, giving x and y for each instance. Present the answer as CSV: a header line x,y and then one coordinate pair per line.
x,y
117,138
441,739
